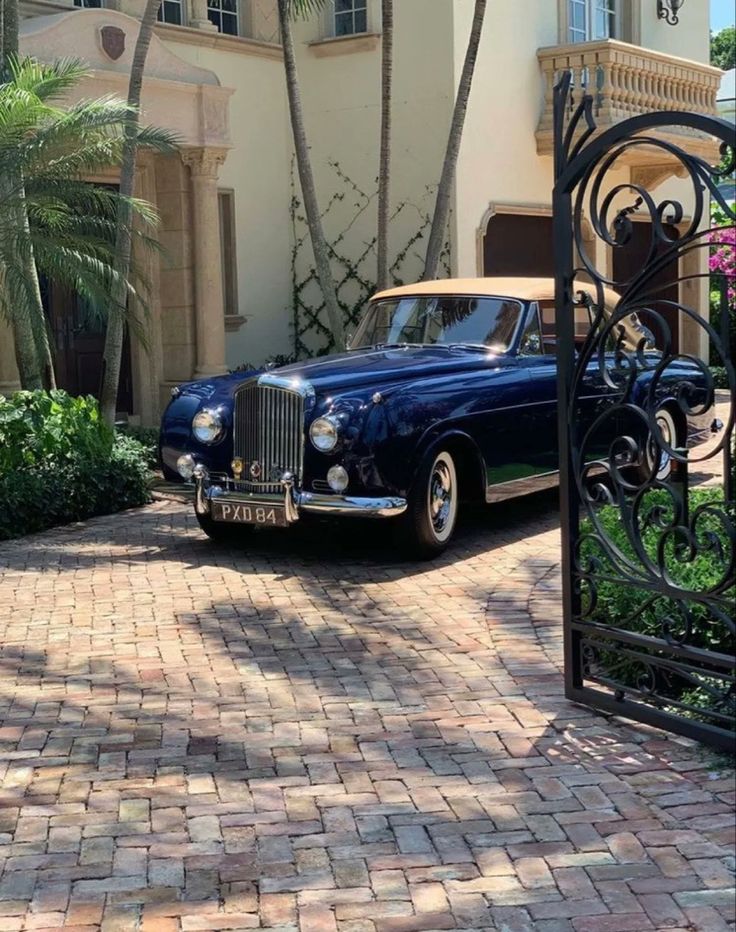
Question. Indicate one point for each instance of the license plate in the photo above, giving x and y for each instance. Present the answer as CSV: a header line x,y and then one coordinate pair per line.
x,y
255,513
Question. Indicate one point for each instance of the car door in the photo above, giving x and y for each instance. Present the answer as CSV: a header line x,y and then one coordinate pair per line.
x,y
538,353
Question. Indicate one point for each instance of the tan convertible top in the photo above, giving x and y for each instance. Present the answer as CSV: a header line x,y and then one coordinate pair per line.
x,y
525,289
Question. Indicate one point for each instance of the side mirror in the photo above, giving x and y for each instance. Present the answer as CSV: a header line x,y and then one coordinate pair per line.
x,y
531,345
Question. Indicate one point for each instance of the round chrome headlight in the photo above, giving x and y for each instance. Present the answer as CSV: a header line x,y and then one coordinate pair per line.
x,y
207,426
324,433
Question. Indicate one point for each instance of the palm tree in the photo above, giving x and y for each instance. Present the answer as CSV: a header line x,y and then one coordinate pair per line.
x,y
384,170
33,352
444,191
50,220
288,9
115,333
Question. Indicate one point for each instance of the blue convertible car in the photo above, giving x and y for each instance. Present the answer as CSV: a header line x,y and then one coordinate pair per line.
x,y
448,391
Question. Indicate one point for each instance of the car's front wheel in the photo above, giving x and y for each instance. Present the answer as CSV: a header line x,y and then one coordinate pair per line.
x,y
431,515
223,532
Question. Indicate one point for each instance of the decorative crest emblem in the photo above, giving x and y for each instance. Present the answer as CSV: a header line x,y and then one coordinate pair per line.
x,y
255,470
112,39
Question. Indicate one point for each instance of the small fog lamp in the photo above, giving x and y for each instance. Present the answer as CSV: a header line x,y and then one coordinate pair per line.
x,y
337,478
185,466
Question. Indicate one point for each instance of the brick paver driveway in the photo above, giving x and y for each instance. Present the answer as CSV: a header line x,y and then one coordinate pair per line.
x,y
311,734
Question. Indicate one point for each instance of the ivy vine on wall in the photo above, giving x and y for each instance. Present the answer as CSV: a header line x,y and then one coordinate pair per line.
x,y
353,258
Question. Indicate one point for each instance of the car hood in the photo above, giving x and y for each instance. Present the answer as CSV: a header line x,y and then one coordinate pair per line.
x,y
377,367
369,368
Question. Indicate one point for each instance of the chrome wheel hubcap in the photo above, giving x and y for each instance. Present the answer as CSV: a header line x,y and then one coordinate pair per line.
x,y
440,496
665,431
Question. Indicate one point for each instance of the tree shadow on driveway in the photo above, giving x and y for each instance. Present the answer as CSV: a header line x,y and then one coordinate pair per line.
x,y
377,738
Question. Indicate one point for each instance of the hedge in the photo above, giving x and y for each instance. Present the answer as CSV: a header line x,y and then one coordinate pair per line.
x,y
626,605
59,463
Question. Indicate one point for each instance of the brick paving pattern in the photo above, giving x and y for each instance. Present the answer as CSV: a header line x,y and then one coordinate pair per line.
x,y
312,735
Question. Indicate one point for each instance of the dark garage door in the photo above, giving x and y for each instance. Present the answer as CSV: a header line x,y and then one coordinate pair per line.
x,y
518,244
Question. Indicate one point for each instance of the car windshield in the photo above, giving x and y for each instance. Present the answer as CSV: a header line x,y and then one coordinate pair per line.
x,y
443,321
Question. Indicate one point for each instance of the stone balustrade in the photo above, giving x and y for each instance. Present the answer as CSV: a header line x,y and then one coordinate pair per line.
x,y
625,80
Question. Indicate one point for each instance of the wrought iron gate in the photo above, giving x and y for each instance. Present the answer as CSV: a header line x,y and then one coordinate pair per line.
x,y
648,552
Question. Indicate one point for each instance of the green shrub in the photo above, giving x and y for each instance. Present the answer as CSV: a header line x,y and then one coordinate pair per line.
x,y
38,426
633,608
148,438
720,376
59,462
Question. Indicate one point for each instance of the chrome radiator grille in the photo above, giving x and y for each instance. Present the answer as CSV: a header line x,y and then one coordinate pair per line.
x,y
269,434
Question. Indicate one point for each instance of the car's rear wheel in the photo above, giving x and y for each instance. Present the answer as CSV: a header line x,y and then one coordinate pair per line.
x,y
431,515
224,532
658,463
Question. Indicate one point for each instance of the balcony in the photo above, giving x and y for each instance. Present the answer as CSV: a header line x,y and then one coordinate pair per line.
x,y
625,80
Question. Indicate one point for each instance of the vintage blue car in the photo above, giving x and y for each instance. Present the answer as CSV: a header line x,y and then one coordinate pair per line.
x,y
448,391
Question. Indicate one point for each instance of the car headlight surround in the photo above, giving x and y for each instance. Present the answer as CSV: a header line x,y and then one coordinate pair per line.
x,y
207,426
324,432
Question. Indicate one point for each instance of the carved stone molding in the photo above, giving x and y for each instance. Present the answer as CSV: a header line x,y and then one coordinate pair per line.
x,y
204,163
651,176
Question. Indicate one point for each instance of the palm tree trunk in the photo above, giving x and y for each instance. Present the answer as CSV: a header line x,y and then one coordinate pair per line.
x,y
115,333
30,334
384,170
10,30
39,324
306,179
444,191
24,343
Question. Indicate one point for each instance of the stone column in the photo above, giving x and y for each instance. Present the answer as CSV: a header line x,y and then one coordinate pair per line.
x,y
204,165
198,18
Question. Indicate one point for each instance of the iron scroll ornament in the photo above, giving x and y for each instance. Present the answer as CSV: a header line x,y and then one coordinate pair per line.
x,y
629,518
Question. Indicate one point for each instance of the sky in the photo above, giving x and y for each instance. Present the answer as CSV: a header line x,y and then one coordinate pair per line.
x,y
721,13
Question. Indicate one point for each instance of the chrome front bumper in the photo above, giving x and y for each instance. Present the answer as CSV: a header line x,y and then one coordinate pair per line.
x,y
218,485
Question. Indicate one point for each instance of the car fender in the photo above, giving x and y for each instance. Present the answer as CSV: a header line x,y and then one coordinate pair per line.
x,y
469,459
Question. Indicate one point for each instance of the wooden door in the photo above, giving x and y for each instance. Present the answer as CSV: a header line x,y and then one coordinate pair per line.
x,y
628,261
78,336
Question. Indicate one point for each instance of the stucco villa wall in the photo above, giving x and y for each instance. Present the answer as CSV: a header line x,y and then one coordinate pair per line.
x,y
257,169
341,93
498,158
689,39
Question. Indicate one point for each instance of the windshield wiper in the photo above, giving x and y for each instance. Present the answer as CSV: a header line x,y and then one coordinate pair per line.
x,y
470,346
396,345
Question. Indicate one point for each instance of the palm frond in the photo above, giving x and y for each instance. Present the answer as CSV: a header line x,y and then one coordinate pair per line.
x,y
160,140
47,81
302,9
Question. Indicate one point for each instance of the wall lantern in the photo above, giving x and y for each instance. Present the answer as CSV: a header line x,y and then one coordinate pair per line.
x,y
669,10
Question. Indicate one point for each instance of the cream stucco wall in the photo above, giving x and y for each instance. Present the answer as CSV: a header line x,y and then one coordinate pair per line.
x,y
498,158
689,39
341,95
257,169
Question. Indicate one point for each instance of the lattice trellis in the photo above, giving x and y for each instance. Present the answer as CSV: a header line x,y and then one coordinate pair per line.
x,y
354,268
